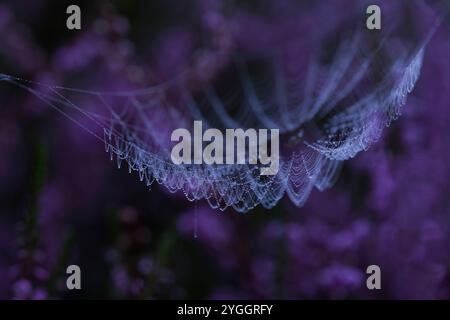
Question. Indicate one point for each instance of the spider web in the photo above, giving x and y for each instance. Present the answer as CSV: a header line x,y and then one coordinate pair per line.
x,y
335,110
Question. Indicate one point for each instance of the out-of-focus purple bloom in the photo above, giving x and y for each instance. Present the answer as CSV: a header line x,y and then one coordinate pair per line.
x,y
390,207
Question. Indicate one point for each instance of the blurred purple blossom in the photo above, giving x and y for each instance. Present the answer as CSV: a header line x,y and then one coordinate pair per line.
x,y
391,206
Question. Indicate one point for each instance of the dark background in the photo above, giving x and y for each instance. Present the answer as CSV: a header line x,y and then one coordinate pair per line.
x,y
63,202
